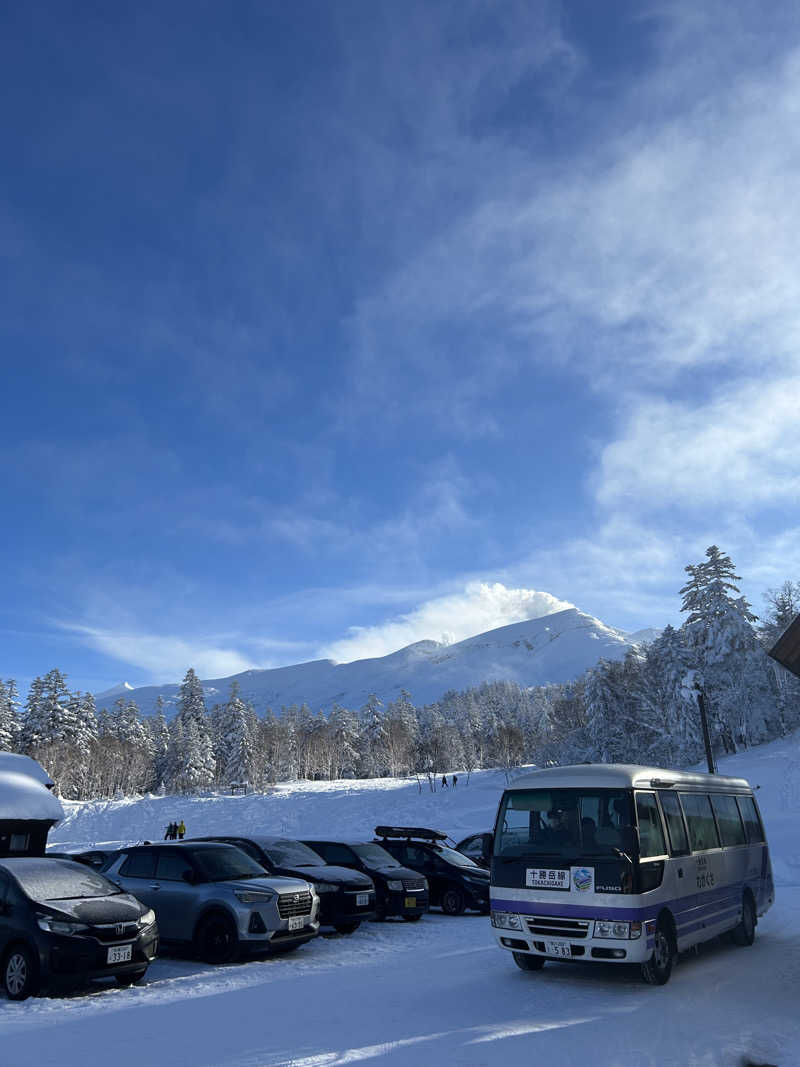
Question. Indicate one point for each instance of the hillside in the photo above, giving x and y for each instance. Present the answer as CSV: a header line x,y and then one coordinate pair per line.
x,y
553,648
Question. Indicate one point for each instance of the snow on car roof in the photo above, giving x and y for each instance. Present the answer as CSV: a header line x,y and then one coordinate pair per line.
x,y
22,799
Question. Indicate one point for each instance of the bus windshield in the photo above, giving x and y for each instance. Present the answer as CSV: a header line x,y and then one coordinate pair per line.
x,y
564,822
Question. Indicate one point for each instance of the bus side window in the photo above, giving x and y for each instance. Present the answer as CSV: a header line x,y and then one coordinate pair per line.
x,y
752,823
700,821
730,824
651,834
679,842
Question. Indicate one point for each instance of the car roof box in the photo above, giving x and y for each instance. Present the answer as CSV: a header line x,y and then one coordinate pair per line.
x,y
419,832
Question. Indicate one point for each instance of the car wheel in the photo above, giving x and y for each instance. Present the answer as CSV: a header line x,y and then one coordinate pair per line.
x,y
347,928
132,978
745,932
20,973
527,962
412,918
658,968
216,940
452,901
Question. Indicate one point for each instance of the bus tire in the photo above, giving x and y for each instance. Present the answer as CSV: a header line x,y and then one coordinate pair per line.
x,y
658,968
744,933
527,962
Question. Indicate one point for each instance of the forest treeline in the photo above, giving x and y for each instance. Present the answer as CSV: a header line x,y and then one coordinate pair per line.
x,y
642,709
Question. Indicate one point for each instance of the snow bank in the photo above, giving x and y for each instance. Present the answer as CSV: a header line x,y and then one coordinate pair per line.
x,y
12,761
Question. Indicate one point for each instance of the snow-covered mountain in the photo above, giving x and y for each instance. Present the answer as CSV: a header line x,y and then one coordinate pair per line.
x,y
553,648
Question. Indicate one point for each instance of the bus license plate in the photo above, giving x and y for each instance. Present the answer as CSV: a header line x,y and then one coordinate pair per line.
x,y
297,922
559,948
411,902
362,899
119,954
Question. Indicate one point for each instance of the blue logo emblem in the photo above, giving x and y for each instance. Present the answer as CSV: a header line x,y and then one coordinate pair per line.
x,y
583,879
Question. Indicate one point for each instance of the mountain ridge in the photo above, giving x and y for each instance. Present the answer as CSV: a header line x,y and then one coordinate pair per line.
x,y
549,649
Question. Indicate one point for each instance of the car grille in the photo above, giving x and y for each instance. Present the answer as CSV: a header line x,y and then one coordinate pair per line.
x,y
290,904
414,885
551,926
114,931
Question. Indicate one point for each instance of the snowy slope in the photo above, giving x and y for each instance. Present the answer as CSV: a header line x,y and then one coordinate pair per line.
x,y
438,992
554,648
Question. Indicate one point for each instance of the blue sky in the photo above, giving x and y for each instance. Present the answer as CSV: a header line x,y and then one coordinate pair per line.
x,y
330,327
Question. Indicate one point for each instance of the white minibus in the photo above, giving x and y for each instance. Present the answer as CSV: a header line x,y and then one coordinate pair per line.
x,y
626,864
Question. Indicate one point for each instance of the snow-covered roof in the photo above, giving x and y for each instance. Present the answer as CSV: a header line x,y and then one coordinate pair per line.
x,y
624,776
23,798
13,761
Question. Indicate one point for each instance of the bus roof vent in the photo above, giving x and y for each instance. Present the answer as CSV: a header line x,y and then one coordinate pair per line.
x,y
660,783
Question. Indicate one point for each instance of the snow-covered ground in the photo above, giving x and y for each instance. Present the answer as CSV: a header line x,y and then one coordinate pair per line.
x,y
436,992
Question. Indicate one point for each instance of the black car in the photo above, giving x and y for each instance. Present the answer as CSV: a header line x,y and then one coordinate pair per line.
x,y
346,897
97,858
62,921
478,847
454,881
398,890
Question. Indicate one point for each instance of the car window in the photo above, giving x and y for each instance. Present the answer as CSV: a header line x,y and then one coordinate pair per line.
x,y
335,853
728,819
676,831
171,866
752,823
286,853
47,879
651,834
221,863
416,857
375,855
139,864
700,821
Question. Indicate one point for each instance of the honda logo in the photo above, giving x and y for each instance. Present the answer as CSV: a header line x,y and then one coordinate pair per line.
x,y
119,929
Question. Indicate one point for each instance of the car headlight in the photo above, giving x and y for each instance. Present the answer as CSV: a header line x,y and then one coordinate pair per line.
x,y
254,896
620,931
395,886
147,919
59,926
425,884
506,920
327,887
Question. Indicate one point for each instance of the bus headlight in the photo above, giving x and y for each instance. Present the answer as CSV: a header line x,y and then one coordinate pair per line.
x,y
506,920
619,931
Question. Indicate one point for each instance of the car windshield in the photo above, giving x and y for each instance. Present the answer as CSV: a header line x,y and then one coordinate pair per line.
x,y
375,855
293,854
458,858
226,862
563,822
48,879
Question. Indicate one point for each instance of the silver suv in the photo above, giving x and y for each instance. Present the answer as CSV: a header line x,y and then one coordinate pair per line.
x,y
217,899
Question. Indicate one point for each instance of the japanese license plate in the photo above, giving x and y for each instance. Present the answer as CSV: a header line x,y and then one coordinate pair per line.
x,y
297,922
546,878
411,902
558,948
362,899
119,954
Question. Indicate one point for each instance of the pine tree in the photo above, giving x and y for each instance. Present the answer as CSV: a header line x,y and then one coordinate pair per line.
x,y
739,683
9,720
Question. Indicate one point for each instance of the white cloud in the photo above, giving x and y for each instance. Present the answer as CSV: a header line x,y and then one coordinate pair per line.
x,y
737,450
164,657
480,607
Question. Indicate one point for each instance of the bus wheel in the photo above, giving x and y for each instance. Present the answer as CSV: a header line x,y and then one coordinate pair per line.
x,y
658,968
745,932
527,962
